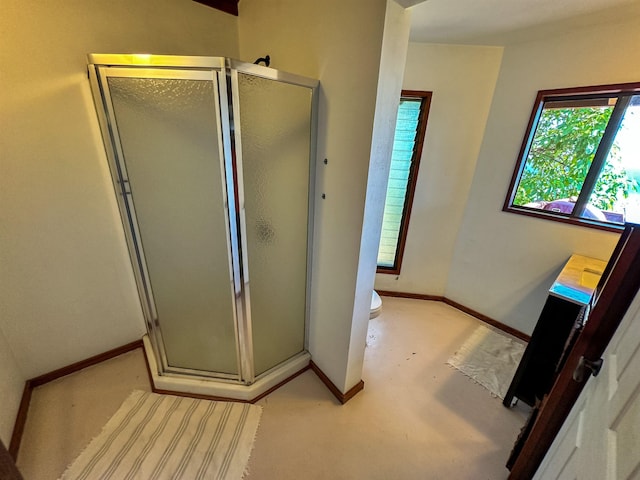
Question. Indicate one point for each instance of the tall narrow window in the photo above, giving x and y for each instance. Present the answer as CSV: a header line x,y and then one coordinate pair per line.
x,y
411,125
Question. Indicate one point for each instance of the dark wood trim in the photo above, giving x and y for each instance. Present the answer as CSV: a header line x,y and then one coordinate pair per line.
x,y
489,320
462,308
353,391
437,298
23,410
557,217
613,296
572,93
421,129
21,417
613,88
199,396
285,381
599,101
227,6
415,296
526,144
342,397
76,367
425,105
21,420
388,270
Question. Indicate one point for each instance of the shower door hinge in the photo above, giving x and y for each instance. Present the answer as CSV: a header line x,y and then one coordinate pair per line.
x,y
126,187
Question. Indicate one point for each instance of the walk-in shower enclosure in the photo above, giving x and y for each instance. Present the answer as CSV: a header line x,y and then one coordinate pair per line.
x,y
212,162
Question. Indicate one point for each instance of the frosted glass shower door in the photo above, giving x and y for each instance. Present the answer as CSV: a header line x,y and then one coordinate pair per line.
x,y
275,137
171,170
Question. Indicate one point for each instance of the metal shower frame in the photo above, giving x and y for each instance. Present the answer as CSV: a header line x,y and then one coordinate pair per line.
x,y
223,72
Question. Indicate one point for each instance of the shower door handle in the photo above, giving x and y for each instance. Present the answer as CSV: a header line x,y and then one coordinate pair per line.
x,y
586,368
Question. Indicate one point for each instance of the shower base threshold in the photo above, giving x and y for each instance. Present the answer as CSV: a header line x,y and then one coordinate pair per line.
x,y
187,385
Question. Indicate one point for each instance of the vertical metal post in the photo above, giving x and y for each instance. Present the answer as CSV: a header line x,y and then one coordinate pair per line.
x,y
600,157
240,254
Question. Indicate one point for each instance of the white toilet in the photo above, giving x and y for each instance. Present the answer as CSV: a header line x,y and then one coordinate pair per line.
x,y
376,305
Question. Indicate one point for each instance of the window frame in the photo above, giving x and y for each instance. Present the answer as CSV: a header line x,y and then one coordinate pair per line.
x,y
425,105
562,94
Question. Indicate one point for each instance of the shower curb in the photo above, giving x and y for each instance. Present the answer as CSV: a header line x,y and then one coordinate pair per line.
x,y
21,417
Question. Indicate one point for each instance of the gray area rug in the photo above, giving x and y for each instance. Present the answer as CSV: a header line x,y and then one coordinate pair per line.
x,y
490,358
158,437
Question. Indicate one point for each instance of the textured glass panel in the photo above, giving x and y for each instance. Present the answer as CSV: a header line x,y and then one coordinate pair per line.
x,y
275,121
168,130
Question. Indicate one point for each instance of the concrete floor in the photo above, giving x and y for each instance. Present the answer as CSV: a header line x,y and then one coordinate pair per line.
x,y
417,418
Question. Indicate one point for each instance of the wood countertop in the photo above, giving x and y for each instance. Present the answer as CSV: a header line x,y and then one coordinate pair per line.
x,y
578,279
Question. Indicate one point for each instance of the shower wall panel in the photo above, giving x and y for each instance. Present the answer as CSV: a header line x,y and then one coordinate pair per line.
x,y
169,135
275,136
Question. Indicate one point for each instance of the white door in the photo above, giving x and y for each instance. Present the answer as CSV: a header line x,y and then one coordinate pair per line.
x,y
600,440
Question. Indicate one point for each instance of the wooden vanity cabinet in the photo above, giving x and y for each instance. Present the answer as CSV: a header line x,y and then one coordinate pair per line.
x,y
559,324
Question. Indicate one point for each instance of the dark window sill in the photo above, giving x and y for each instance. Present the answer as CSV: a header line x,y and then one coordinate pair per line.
x,y
546,215
388,270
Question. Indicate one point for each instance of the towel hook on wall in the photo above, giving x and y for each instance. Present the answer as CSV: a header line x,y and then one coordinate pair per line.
x,y
266,60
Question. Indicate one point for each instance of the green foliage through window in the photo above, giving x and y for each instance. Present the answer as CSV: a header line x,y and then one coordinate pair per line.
x,y
584,152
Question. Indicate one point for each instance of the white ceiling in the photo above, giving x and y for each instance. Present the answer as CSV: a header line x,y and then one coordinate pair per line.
x,y
500,22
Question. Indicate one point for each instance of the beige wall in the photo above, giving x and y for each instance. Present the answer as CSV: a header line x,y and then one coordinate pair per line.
x,y
462,79
318,39
504,263
392,61
66,285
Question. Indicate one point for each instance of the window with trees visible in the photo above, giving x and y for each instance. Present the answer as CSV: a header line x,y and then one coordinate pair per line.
x,y
411,124
580,157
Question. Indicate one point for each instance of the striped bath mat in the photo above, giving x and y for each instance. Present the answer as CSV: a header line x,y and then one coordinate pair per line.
x,y
156,436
